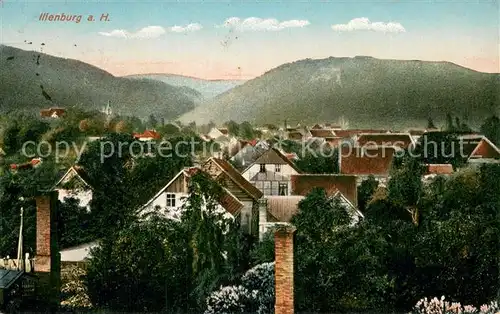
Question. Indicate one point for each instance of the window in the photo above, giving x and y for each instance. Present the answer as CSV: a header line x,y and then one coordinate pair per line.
x,y
274,188
267,188
170,200
262,168
278,168
283,189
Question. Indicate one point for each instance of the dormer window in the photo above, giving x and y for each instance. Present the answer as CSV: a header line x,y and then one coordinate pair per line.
x,y
262,168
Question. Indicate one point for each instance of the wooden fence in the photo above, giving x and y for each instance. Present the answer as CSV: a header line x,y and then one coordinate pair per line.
x,y
27,264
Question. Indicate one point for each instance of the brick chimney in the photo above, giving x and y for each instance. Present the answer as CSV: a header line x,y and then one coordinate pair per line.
x,y
284,269
47,259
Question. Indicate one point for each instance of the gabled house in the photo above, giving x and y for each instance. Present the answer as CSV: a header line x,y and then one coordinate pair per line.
x,y
52,112
215,133
478,149
325,136
365,161
33,163
282,209
271,172
148,135
239,197
343,187
75,183
298,134
400,140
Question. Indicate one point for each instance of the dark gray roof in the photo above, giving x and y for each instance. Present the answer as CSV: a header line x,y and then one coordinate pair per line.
x,y
8,277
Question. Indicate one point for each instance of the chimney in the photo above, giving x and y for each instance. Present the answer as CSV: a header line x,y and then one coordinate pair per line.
x,y
284,269
262,217
47,259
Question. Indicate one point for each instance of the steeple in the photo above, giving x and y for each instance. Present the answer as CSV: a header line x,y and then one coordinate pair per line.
x,y
107,111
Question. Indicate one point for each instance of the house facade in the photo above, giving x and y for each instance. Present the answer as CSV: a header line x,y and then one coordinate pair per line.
x,y
239,197
148,135
75,183
271,173
52,113
281,209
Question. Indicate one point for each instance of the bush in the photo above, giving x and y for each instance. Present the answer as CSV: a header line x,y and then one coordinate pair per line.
x,y
255,294
440,306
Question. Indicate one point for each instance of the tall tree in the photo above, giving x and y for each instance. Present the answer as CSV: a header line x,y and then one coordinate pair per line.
x,y
491,129
152,122
449,123
430,124
406,187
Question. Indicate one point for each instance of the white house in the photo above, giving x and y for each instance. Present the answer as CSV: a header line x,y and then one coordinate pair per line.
x,y
75,184
271,173
170,199
216,133
239,197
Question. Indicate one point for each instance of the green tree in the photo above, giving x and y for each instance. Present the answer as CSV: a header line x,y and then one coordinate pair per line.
x,y
323,160
365,192
205,227
232,127
430,124
246,131
340,263
152,122
406,187
491,129
449,123
142,268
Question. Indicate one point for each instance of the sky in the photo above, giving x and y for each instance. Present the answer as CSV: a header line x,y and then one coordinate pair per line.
x,y
244,39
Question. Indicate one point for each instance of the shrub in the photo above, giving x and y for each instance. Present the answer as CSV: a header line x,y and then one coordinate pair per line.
x,y
440,306
255,294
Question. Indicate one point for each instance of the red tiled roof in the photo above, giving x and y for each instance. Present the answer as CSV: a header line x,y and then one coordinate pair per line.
x,y
148,134
346,184
291,156
35,161
401,140
366,161
253,142
439,169
485,149
49,112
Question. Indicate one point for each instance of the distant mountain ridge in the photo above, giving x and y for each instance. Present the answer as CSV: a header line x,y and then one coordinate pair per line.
x,y
30,81
207,88
364,90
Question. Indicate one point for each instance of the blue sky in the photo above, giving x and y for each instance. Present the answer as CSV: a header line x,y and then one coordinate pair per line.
x,y
185,37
